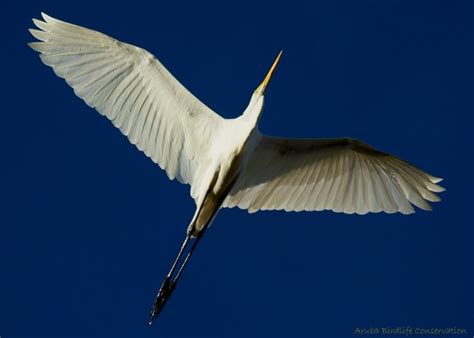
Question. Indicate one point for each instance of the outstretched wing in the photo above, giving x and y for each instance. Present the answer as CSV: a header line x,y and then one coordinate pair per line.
x,y
343,175
134,90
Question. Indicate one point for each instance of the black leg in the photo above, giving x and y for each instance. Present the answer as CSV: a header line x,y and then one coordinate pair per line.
x,y
188,256
180,253
167,287
169,284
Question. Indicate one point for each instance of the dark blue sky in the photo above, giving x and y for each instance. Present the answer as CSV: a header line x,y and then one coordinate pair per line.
x,y
89,225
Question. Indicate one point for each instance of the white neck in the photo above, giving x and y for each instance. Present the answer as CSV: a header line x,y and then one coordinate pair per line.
x,y
253,111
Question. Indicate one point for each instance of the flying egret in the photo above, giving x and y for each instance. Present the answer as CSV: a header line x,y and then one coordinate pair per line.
x,y
227,162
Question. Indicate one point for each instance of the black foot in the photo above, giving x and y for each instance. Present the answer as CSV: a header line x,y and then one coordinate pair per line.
x,y
161,298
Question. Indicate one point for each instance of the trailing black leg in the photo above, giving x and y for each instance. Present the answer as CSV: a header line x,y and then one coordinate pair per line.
x,y
167,287
169,283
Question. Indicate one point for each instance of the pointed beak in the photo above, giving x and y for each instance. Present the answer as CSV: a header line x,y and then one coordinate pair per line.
x,y
261,89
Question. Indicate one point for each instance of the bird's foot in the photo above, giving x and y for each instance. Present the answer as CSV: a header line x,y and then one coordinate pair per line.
x,y
161,298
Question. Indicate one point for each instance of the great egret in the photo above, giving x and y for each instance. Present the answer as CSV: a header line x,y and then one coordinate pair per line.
x,y
227,162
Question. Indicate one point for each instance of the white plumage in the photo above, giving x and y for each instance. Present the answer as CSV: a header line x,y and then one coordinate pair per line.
x,y
133,89
343,175
227,162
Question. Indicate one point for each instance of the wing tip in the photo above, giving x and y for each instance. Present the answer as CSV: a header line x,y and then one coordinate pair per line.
x,y
436,188
37,34
435,179
37,22
36,46
46,17
425,206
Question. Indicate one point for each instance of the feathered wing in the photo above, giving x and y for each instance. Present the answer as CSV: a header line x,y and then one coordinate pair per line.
x,y
134,90
343,175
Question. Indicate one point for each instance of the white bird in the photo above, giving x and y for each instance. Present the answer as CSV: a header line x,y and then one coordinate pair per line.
x,y
227,162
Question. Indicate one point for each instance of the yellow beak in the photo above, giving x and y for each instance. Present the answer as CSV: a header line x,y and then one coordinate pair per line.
x,y
261,89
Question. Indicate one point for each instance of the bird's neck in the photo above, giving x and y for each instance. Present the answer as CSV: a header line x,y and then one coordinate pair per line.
x,y
253,111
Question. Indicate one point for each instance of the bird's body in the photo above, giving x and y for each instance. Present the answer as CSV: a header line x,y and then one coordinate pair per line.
x,y
227,162
228,154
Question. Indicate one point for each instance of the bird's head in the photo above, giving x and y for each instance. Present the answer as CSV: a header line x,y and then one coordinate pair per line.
x,y
255,107
261,89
